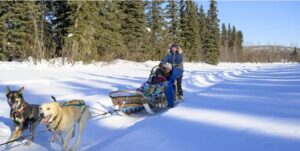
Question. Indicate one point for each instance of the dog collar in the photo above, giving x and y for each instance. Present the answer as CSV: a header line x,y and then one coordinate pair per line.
x,y
54,119
58,123
18,112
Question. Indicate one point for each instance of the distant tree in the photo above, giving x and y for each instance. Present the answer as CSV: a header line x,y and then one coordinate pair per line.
x,y
183,23
224,54
202,28
229,37
203,24
80,43
158,26
212,42
172,14
156,20
193,43
294,56
59,13
133,29
224,36
106,30
20,30
240,40
45,32
109,33
95,32
5,26
234,38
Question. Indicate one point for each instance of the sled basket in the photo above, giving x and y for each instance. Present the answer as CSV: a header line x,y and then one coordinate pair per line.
x,y
127,98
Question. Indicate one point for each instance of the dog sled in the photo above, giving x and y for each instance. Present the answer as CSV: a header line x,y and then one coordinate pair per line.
x,y
152,99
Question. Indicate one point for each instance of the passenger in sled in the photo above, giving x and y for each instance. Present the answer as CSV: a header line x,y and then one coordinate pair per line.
x,y
162,82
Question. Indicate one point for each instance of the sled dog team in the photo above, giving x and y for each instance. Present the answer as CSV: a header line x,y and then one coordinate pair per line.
x,y
62,117
58,117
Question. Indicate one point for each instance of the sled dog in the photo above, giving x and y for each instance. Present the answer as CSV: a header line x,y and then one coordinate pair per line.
x,y
62,117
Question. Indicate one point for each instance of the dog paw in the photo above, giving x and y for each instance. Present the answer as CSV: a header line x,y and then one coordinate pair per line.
x,y
7,146
51,140
73,149
28,143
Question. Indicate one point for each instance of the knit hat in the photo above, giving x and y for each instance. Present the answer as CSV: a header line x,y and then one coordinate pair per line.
x,y
174,45
167,65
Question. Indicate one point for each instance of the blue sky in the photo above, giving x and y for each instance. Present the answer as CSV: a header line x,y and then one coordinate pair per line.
x,y
262,22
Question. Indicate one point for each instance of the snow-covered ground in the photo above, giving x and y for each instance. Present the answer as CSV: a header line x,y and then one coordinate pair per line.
x,y
233,107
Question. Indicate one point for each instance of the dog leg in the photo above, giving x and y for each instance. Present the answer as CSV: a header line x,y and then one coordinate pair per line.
x,y
31,129
81,126
52,138
60,138
13,135
73,133
68,137
16,134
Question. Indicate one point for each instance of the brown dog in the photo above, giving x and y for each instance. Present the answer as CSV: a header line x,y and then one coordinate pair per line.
x,y
23,114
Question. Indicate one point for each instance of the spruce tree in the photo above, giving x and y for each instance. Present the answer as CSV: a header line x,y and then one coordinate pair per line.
x,y
229,36
172,15
212,42
156,20
4,28
202,29
95,31
224,55
59,15
109,38
133,29
81,41
20,30
158,28
224,34
240,40
45,31
240,45
234,38
192,33
294,56
183,24
203,24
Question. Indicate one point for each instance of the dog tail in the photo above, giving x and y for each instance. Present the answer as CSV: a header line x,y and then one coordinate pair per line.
x,y
54,99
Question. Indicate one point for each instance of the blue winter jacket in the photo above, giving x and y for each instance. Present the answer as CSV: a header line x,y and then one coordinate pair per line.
x,y
170,90
176,59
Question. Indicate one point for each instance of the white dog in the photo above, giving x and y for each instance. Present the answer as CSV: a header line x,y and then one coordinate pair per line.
x,y
62,117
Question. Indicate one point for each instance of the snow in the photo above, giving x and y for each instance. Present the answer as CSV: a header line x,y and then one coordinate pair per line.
x,y
230,107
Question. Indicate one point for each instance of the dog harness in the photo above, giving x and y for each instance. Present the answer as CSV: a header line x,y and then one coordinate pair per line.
x,y
80,104
19,112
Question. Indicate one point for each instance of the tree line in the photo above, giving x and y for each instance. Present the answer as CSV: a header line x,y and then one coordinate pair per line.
x,y
107,30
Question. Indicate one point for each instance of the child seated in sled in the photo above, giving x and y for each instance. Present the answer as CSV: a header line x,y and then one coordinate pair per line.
x,y
157,83
161,83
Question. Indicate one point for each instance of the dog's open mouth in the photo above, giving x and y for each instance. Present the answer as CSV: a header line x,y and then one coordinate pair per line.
x,y
45,120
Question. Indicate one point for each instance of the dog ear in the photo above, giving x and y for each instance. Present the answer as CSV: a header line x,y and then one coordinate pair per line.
x,y
54,99
7,90
20,91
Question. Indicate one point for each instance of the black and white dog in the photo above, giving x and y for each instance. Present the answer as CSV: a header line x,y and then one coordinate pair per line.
x,y
23,114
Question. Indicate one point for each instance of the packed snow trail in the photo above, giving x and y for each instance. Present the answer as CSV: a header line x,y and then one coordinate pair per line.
x,y
227,107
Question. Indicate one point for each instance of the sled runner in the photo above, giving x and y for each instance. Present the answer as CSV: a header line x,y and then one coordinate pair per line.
x,y
149,97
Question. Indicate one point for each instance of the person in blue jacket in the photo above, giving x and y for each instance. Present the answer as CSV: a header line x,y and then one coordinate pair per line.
x,y
175,58
173,75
